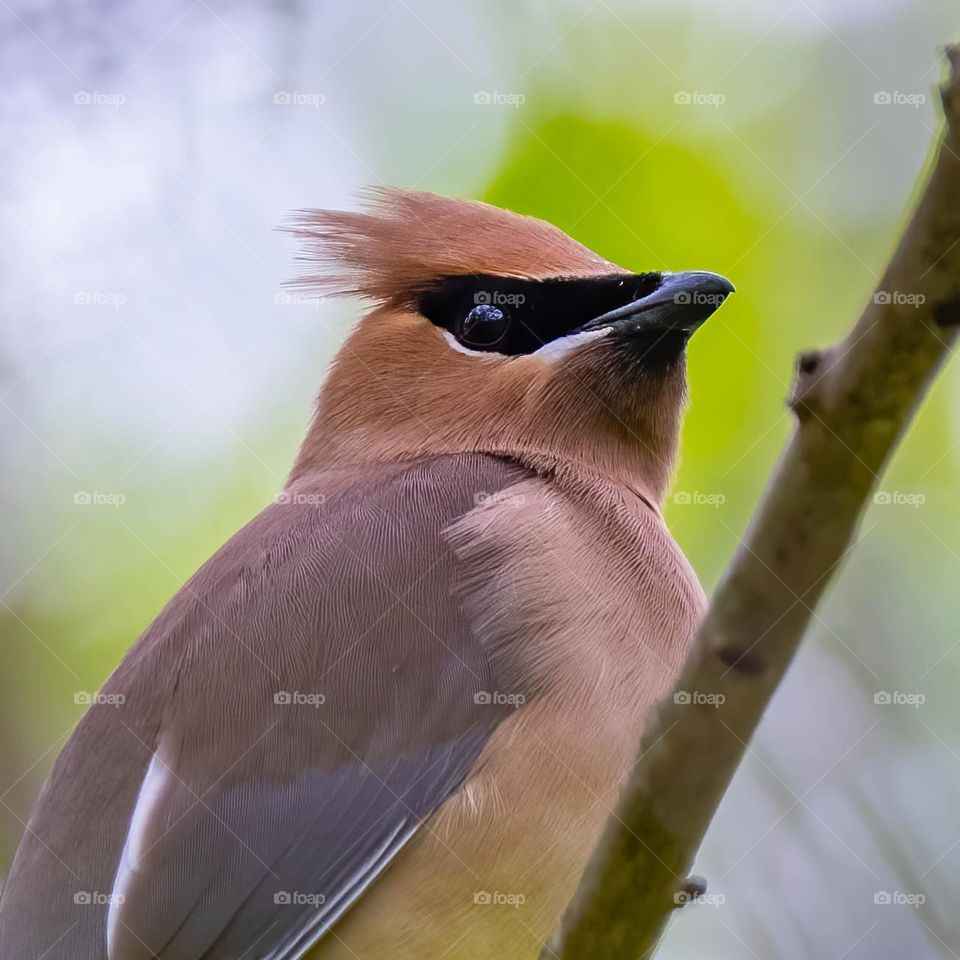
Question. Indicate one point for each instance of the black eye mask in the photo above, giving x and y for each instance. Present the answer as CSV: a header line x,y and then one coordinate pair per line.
x,y
514,317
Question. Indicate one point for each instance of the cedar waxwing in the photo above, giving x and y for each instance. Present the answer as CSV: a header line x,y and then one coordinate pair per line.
x,y
390,717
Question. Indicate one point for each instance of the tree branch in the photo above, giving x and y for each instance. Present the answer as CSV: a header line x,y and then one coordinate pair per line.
x,y
852,402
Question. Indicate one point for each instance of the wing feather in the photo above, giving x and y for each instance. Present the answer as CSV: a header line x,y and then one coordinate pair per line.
x,y
290,720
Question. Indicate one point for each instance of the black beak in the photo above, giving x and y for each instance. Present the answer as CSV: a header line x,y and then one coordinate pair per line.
x,y
680,303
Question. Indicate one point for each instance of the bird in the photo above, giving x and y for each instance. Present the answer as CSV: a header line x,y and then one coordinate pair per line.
x,y
392,714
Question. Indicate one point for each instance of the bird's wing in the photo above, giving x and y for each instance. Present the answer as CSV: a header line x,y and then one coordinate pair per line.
x,y
293,716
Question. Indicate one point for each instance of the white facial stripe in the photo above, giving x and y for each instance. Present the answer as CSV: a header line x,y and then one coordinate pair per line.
x,y
460,348
563,345
549,351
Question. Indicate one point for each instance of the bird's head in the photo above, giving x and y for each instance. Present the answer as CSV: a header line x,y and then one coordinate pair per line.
x,y
496,332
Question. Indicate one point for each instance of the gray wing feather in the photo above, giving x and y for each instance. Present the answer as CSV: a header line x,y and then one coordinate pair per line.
x,y
292,717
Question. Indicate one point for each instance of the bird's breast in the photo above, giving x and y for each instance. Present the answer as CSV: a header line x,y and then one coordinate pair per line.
x,y
589,623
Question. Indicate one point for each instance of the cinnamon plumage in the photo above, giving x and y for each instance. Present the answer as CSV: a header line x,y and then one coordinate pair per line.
x,y
391,715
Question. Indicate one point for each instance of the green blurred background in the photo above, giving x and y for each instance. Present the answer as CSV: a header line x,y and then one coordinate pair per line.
x,y
155,380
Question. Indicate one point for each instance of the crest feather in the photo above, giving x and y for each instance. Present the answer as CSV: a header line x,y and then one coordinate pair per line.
x,y
402,240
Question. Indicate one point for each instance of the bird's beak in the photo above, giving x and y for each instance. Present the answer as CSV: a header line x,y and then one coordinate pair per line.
x,y
680,303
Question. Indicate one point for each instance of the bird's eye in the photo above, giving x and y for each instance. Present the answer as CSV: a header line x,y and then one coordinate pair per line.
x,y
484,326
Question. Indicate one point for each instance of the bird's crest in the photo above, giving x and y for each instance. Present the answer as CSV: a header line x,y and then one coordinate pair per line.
x,y
403,240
